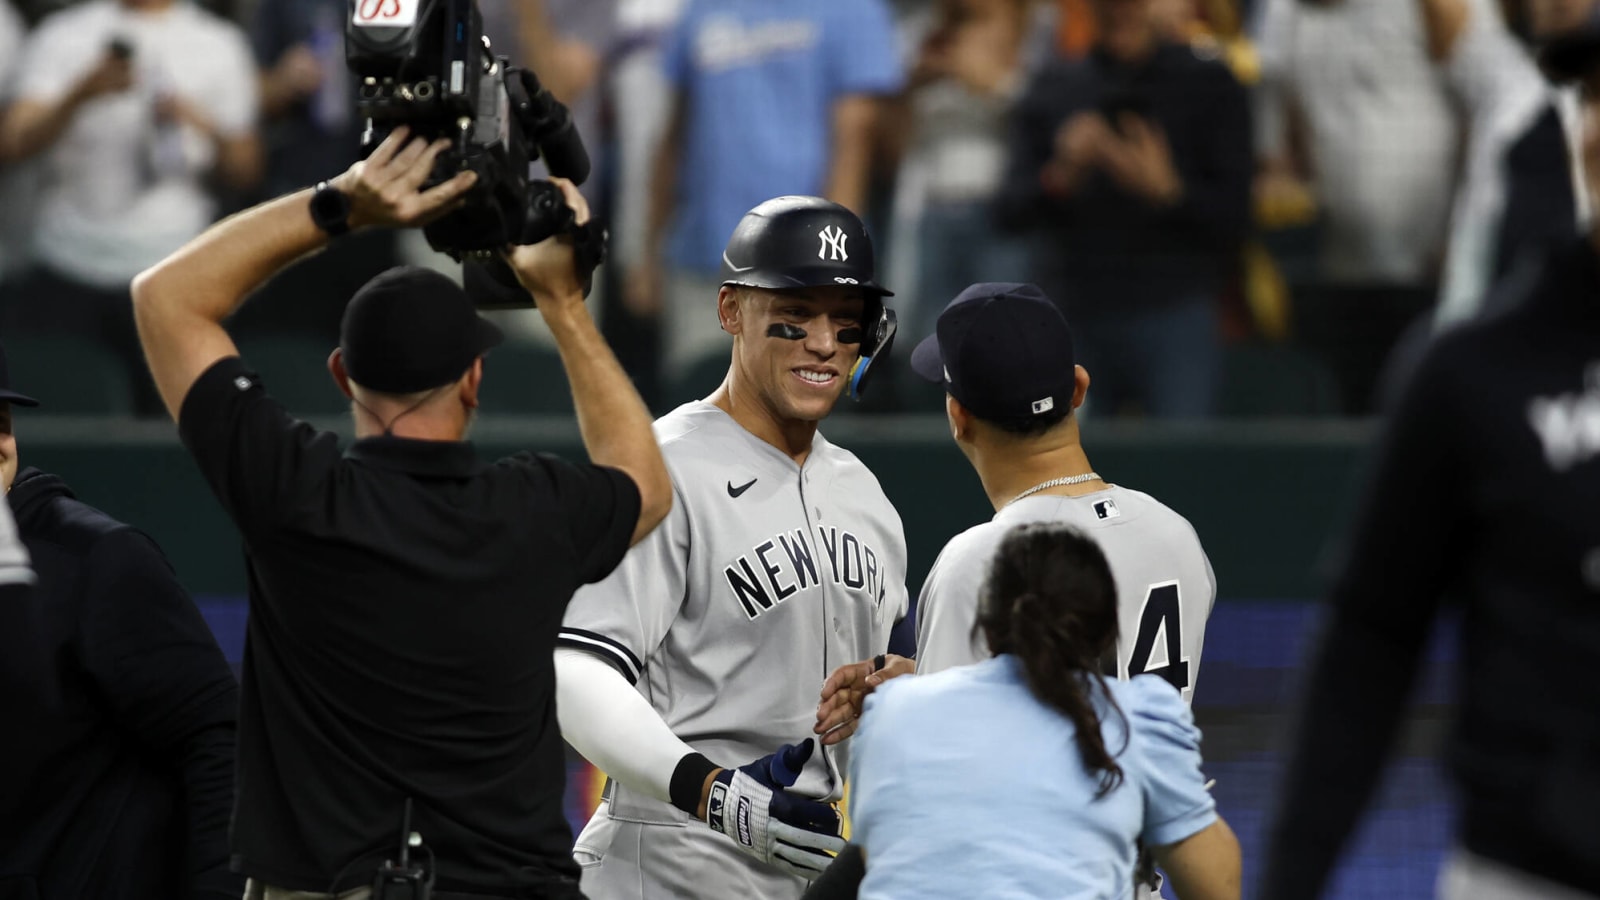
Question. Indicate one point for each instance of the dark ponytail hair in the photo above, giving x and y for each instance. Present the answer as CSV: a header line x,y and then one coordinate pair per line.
x,y
1051,602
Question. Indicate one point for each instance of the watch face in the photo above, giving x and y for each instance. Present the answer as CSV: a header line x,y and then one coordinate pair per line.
x,y
330,208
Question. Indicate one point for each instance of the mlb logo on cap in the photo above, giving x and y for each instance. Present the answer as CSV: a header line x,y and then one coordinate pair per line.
x,y
1003,350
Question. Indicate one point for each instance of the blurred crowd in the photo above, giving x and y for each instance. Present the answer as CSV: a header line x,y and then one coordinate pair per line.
x,y
1242,205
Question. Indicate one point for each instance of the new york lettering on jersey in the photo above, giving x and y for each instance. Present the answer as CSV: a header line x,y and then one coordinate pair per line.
x,y
787,564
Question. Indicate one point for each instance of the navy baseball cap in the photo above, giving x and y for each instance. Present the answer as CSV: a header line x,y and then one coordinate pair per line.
x,y
1003,350
410,329
7,395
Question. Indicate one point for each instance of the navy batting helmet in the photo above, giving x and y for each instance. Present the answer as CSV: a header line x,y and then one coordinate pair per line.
x,y
795,242
800,242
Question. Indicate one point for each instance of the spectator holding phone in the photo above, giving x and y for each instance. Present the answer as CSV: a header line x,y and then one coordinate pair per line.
x,y
1133,165
131,106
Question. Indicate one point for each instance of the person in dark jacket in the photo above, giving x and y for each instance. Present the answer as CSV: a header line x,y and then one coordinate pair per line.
x,y
1132,167
116,776
1482,497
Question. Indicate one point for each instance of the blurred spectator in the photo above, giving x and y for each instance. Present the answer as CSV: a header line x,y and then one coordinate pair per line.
x,y
12,29
639,99
971,67
1134,165
131,105
771,98
641,103
564,42
1521,189
121,785
1349,100
310,128
15,187
1353,79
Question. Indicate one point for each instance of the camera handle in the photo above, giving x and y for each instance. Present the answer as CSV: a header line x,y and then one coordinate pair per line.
x,y
492,285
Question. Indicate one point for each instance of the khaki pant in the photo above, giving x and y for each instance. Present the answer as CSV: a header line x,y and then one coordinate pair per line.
x,y
256,891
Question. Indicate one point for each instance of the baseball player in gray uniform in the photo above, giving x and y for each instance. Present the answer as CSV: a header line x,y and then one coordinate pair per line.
x,y
781,560
1004,355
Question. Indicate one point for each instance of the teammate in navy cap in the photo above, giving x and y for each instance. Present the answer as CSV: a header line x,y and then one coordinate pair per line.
x,y
1004,354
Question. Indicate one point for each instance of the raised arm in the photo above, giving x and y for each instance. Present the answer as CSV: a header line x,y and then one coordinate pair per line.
x,y
613,420
181,302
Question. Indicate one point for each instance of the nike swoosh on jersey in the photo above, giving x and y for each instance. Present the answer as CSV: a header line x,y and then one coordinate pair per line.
x,y
736,491
736,269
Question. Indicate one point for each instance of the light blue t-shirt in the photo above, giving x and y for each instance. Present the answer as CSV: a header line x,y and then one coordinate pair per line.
x,y
760,78
964,785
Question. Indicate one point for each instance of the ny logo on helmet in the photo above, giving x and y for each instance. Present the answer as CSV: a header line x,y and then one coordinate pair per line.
x,y
833,238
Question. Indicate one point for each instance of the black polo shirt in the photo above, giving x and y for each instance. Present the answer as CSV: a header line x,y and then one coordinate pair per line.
x,y
404,604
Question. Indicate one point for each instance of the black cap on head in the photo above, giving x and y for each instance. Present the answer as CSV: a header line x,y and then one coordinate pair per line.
x,y
411,329
796,242
1003,350
1573,54
7,395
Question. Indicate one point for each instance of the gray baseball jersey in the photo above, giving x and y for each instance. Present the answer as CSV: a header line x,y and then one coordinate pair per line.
x,y
765,577
1165,584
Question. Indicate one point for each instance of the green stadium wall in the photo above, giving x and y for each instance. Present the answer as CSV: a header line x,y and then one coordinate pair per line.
x,y
1269,500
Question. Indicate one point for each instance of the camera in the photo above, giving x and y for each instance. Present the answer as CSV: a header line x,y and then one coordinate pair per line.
x,y
427,65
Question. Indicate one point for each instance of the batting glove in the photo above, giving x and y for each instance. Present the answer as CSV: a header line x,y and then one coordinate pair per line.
x,y
750,805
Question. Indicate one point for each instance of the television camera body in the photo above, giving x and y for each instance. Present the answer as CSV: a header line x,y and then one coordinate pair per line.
x,y
426,64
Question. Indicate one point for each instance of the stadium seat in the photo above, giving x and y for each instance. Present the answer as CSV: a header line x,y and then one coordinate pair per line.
x,y
295,371
1265,379
524,379
72,376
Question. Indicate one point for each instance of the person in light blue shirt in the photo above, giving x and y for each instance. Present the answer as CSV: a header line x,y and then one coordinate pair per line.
x,y
771,97
1029,774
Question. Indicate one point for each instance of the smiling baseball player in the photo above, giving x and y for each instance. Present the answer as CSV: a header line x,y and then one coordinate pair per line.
x,y
781,560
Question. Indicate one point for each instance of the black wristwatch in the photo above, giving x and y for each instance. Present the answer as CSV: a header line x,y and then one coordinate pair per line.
x,y
330,209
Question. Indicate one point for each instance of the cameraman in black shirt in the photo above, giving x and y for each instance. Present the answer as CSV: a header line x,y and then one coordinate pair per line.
x,y
1486,492
404,596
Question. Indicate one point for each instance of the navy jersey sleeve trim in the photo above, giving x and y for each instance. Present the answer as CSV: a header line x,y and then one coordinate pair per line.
x,y
607,648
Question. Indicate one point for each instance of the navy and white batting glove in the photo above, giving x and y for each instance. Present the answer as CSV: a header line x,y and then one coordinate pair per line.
x,y
794,833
